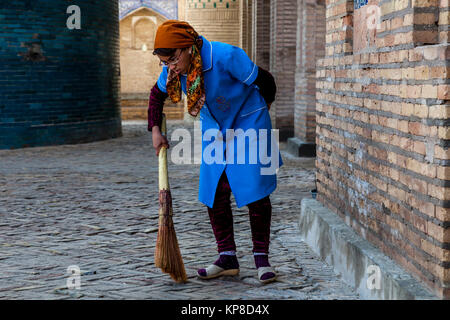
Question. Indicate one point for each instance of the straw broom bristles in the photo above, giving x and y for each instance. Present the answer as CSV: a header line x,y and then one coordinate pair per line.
x,y
167,252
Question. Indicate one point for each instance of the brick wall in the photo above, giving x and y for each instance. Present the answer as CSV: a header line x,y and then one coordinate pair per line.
x,y
217,20
246,23
283,20
58,85
261,19
383,136
310,48
139,67
444,21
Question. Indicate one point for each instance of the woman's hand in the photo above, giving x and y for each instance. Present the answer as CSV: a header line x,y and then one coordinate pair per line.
x,y
159,140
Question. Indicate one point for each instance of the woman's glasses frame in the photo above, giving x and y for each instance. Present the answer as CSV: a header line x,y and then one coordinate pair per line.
x,y
173,62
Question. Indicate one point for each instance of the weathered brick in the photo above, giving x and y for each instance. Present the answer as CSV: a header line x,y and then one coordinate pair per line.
x,y
419,147
401,4
424,18
441,153
442,214
443,173
422,73
444,132
443,92
421,111
396,192
429,91
444,18
439,111
424,3
403,125
408,73
435,231
426,37
438,192
439,72
433,52
416,55
387,7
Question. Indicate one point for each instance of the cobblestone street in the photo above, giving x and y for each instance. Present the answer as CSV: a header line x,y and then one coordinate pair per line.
x,y
95,206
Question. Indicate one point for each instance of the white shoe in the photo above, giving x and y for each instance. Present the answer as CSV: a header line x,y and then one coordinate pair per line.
x,y
214,271
264,270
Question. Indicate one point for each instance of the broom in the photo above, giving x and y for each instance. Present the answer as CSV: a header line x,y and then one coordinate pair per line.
x,y
167,252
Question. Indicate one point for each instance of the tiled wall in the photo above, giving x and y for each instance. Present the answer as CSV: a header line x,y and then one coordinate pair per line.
x,y
58,85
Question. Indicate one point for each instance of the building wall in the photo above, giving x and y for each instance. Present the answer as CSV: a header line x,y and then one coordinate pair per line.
x,y
261,32
58,85
382,131
246,23
310,48
216,20
283,33
139,67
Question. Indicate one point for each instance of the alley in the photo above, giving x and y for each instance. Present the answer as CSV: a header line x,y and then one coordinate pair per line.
x,y
95,206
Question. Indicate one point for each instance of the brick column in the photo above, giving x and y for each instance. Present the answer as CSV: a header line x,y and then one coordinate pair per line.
x,y
444,21
261,32
246,23
310,48
283,17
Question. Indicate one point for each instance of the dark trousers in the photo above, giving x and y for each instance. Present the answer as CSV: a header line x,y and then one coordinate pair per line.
x,y
221,218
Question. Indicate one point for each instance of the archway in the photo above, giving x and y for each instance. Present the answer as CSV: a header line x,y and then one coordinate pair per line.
x,y
140,69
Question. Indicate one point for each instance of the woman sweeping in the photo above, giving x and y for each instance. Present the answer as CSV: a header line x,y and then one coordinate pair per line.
x,y
232,96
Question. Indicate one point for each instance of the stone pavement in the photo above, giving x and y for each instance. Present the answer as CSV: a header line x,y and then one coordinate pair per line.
x,y
95,206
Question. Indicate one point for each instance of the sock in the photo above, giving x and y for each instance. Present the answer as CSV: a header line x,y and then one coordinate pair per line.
x,y
225,261
228,253
262,260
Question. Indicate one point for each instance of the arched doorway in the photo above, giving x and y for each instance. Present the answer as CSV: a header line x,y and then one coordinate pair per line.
x,y
139,67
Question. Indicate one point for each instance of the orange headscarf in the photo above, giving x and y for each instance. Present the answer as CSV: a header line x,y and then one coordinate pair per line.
x,y
174,34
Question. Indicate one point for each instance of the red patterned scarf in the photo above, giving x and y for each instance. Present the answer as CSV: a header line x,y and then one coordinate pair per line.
x,y
194,84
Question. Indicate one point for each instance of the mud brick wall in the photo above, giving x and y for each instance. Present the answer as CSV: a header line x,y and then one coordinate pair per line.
x,y
310,48
283,35
246,25
261,23
58,85
382,132
217,20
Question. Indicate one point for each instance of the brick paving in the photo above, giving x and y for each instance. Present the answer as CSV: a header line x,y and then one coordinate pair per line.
x,y
95,206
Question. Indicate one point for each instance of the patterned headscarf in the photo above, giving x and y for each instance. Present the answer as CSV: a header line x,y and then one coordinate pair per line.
x,y
174,34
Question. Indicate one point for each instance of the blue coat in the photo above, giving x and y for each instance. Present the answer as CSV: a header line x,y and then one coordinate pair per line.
x,y
249,154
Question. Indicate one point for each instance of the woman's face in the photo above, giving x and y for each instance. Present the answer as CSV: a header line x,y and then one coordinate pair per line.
x,y
179,62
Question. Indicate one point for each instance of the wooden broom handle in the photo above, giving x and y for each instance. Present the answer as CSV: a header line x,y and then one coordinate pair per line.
x,y
163,173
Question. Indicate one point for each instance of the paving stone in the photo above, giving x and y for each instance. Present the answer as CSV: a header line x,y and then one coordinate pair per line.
x,y
95,205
